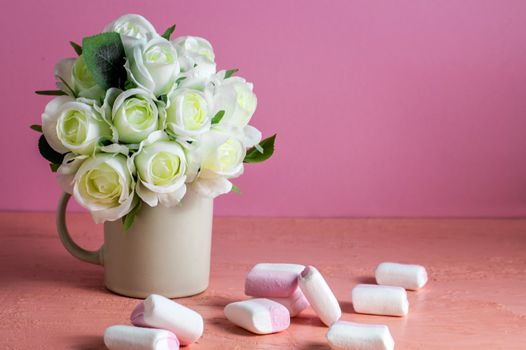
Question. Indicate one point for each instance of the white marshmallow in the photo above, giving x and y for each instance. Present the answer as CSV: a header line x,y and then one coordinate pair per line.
x,y
320,295
260,316
161,312
136,338
279,267
408,276
380,300
344,335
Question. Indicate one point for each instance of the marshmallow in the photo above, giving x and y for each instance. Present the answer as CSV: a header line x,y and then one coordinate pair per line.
x,y
380,300
280,267
136,338
272,280
344,335
319,295
160,312
408,276
260,316
295,303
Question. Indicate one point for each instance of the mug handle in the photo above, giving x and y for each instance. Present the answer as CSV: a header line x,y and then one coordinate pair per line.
x,y
93,257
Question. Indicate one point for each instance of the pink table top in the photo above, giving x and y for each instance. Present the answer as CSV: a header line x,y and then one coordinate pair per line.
x,y
475,299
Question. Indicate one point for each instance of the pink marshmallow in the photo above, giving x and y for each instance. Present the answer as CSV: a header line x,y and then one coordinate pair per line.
x,y
272,280
137,316
295,303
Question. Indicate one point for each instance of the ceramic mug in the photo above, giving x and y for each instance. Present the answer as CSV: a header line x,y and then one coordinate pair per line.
x,y
166,251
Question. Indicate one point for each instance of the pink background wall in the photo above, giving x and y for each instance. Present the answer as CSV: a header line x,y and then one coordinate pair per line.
x,y
384,108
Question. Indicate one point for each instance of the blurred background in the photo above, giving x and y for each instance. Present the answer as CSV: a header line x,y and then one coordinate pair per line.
x,y
384,108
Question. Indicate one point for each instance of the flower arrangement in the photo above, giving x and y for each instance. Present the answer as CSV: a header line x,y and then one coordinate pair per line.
x,y
138,117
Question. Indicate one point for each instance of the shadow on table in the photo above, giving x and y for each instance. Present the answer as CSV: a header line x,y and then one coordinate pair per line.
x,y
365,280
347,307
86,342
307,320
313,346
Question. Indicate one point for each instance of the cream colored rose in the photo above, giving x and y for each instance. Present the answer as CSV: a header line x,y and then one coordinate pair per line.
x,y
133,29
135,115
132,26
235,96
216,157
161,171
74,78
188,113
153,66
71,125
104,185
196,58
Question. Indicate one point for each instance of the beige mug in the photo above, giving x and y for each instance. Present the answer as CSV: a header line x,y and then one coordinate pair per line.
x,y
166,251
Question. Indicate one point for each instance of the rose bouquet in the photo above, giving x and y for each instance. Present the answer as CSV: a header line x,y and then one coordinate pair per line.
x,y
139,118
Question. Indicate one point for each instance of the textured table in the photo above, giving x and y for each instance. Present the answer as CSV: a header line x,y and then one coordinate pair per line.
x,y
475,299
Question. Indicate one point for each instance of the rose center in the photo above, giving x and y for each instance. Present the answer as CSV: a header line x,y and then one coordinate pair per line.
x,y
74,127
139,113
165,168
102,185
159,54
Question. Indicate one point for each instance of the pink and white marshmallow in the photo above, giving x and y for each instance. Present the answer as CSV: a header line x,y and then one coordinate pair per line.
x,y
380,300
159,312
295,303
320,295
408,276
344,335
136,338
259,316
273,280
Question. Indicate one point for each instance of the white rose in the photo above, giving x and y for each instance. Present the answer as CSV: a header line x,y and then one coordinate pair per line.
x,y
233,95
225,160
188,113
217,156
161,171
134,29
135,115
68,169
83,82
196,58
154,66
104,185
74,78
71,125
63,70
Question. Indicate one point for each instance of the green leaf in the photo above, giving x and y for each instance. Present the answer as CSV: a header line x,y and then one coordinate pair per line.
x,y
67,86
255,156
50,92
36,127
104,56
49,153
180,80
171,135
168,32
129,84
104,141
230,72
235,189
76,47
217,118
54,167
128,219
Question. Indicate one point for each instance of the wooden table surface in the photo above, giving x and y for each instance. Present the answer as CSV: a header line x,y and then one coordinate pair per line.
x,y
475,299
